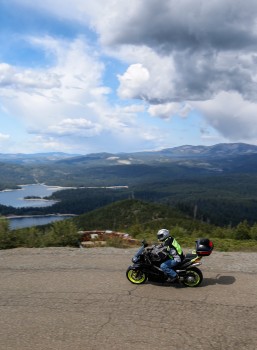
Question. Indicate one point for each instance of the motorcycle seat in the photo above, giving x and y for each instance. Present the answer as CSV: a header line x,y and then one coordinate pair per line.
x,y
188,257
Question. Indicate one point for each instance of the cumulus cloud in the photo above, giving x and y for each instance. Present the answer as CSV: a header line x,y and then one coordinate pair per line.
x,y
69,126
19,79
231,115
57,93
173,25
153,80
133,109
166,110
211,50
132,82
180,55
210,45
74,107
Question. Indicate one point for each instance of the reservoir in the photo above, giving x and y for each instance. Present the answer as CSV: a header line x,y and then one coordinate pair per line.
x,y
17,199
29,221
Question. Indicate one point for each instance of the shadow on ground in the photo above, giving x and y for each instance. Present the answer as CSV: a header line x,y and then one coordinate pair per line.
x,y
222,280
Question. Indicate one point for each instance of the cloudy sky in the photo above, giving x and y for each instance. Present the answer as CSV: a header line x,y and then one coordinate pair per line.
x,y
83,76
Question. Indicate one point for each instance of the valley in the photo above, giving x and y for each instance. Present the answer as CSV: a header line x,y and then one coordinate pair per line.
x,y
216,184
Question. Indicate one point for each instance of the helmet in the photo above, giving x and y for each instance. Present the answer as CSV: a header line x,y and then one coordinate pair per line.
x,y
163,234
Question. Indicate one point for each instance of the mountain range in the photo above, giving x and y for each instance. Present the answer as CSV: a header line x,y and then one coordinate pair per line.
x,y
221,179
168,154
34,158
113,169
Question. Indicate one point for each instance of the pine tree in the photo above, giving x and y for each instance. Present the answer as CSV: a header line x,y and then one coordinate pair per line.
x,y
242,230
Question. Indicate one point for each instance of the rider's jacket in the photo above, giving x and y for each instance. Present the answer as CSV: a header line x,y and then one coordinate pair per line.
x,y
174,249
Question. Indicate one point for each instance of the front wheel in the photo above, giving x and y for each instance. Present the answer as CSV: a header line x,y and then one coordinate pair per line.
x,y
136,276
193,277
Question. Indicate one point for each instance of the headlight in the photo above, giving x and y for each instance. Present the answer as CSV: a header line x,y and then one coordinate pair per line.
x,y
135,259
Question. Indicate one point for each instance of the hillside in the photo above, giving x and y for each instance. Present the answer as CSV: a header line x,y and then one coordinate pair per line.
x,y
137,217
104,169
142,220
216,184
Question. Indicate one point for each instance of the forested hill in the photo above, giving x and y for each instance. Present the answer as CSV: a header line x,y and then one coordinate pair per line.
x,y
216,184
142,220
139,219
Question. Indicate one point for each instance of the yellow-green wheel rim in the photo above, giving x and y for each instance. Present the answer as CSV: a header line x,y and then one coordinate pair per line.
x,y
197,279
136,276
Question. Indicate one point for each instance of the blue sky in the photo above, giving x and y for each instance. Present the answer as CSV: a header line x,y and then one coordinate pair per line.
x,y
117,76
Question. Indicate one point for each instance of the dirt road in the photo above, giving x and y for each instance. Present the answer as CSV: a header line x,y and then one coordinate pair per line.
x,y
63,298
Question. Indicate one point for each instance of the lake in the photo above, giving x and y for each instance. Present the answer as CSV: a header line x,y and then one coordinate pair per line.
x,y
29,221
16,199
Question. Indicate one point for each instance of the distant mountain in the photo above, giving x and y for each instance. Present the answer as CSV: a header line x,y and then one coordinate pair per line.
x,y
168,155
219,150
218,158
221,179
34,158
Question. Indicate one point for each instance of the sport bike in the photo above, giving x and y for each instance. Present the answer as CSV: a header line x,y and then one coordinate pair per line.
x,y
147,261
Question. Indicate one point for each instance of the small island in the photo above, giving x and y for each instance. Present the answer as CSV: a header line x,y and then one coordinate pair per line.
x,y
37,198
32,197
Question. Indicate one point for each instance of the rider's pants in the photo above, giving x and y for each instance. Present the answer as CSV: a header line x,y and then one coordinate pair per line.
x,y
167,266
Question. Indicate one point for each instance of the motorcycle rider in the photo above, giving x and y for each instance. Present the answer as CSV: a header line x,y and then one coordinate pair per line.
x,y
175,254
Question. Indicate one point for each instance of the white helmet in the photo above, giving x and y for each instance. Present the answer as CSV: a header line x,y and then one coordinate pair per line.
x,y
163,234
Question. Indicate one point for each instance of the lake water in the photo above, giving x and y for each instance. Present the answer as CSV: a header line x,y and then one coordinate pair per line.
x,y
15,198
22,222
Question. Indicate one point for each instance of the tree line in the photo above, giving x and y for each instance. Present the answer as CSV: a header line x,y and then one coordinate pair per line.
x,y
140,219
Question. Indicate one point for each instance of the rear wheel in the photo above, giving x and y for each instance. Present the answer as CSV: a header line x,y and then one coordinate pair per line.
x,y
136,276
193,277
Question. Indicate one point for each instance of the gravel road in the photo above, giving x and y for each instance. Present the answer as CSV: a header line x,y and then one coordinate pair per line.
x,y
67,298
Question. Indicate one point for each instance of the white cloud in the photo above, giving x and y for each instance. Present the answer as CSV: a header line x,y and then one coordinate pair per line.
x,y
152,80
20,79
76,108
133,81
210,46
179,55
231,115
47,143
133,109
68,127
167,110
39,97
4,137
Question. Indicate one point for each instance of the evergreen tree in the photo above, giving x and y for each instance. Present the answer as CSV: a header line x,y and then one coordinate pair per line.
x,y
253,232
6,240
242,230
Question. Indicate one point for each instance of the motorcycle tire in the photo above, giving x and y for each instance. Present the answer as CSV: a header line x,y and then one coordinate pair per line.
x,y
193,277
136,276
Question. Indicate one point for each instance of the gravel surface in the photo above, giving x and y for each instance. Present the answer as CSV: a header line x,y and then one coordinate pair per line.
x,y
68,298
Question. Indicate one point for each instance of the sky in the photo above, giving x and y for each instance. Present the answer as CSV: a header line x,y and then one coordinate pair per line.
x,y
82,76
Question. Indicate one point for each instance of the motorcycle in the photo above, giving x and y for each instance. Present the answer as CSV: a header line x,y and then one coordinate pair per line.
x,y
147,261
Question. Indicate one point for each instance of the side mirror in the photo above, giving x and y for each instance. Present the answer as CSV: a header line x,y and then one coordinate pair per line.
x,y
145,244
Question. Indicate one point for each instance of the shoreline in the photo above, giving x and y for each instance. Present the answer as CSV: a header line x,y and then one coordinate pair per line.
x,y
35,216
61,188
49,187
